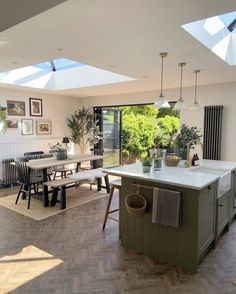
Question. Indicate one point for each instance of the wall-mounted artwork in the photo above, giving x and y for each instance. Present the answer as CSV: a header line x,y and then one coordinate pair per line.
x,y
16,108
43,127
27,127
12,123
36,107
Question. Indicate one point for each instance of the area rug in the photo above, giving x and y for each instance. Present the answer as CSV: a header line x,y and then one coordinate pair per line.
x,y
74,197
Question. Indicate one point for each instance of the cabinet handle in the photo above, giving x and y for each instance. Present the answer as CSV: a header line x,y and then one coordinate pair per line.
x,y
209,187
221,205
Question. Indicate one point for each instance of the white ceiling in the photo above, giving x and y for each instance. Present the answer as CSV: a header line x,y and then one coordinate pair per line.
x,y
125,37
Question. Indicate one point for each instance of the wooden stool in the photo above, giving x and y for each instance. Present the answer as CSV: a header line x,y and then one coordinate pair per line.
x,y
116,184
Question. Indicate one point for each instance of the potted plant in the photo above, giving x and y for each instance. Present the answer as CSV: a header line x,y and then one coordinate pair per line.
x,y
147,164
84,128
3,119
183,137
61,151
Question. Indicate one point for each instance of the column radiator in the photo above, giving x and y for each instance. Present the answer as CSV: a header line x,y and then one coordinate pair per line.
x,y
212,132
9,176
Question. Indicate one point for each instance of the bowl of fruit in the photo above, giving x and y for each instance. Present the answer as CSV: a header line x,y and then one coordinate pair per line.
x,y
172,159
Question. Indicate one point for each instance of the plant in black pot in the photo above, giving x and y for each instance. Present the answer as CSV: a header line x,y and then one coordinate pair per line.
x,y
183,137
61,151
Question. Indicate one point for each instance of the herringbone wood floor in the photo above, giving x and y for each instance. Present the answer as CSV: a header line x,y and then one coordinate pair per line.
x,y
69,253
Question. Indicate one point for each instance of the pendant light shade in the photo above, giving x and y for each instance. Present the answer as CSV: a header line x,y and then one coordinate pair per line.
x,y
195,106
161,101
179,105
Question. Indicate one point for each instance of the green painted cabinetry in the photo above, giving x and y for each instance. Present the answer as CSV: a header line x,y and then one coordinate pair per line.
x,y
184,246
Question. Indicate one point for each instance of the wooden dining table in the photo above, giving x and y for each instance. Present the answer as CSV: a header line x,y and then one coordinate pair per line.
x,y
45,163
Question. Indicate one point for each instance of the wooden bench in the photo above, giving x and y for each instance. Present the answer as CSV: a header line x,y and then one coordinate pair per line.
x,y
91,176
73,180
58,185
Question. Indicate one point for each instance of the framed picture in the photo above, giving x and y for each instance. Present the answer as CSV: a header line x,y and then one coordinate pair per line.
x,y
43,127
16,107
27,126
36,107
12,123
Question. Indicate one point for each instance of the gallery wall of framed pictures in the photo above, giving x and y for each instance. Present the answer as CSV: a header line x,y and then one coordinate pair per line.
x,y
28,125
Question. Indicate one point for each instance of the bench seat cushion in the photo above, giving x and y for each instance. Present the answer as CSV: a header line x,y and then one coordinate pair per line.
x,y
89,175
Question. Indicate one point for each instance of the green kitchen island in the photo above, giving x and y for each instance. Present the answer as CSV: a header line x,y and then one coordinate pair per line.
x,y
207,208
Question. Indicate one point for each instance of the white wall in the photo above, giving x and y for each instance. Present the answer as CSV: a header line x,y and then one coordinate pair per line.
x,y
220,94
55,108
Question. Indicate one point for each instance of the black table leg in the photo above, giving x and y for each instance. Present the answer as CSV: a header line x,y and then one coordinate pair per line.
x,y
45,196
107,184
54,196
45,176
63,197
45,189
99,184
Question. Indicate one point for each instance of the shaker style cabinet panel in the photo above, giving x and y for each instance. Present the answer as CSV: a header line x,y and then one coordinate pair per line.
x,y
223,203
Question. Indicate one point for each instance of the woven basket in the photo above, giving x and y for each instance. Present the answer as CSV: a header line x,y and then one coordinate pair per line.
x,y
172,160
135,204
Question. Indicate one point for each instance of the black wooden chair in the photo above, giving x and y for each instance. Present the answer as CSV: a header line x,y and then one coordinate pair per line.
x,y
39,155
26,180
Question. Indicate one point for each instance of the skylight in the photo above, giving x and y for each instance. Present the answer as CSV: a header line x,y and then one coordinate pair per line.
x,y
58,64
61,74
218,34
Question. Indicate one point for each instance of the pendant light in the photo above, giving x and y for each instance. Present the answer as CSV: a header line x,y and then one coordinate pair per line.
x,y
180,103
161,101
195,106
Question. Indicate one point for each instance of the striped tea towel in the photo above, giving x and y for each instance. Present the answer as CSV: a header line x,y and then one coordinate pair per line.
x,y
166,207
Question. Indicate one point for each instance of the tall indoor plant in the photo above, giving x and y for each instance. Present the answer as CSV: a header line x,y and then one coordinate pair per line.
x,y
84,128
183,137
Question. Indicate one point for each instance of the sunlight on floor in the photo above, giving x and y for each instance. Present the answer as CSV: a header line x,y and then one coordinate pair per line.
x,y
18,269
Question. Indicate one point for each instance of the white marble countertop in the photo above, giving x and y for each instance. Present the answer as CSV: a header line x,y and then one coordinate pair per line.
x,y
178,176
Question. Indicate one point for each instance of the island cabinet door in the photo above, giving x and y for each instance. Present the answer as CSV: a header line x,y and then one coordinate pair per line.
x,y
223,211
232,196
207,218
172,245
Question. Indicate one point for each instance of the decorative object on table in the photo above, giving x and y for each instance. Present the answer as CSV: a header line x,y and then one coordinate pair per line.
x,y
12,123
61,151
183,137
16,108
135,204
84,128
27,126
179,105
65,140
161,101
43,127
158,155
172,159
147,164
3,119
36,108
